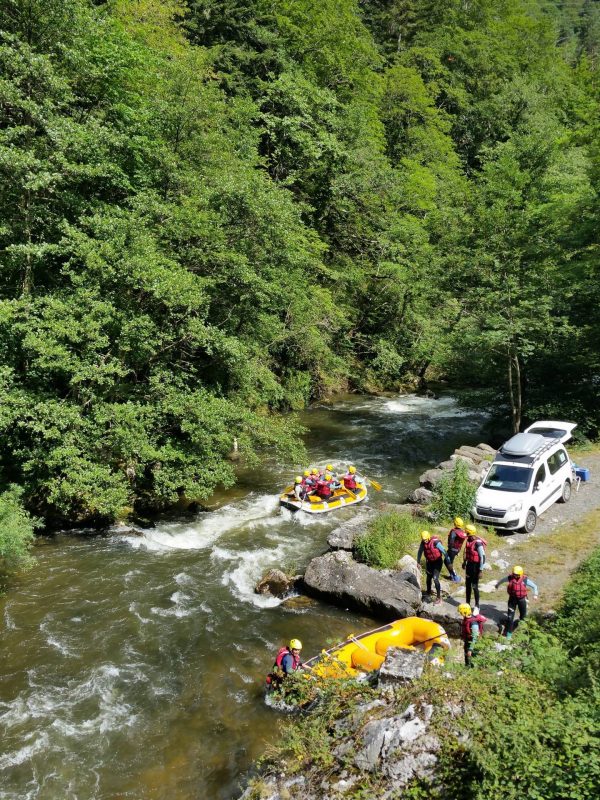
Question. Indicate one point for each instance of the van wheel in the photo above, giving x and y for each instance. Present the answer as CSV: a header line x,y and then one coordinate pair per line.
x,y
566,492
530,521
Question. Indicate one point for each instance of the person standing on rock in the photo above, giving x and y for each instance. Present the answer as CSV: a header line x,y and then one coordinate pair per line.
x,y
456,539
473,562
471,629
435,554
518,584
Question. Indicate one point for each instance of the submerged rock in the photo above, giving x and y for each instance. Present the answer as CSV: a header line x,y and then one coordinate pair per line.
x,y
275,582
337,578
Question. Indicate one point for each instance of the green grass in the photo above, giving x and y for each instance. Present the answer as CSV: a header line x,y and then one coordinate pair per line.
x,y
387,539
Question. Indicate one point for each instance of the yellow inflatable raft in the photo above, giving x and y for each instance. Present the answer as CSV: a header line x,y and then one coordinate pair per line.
x,y
314,505
366,651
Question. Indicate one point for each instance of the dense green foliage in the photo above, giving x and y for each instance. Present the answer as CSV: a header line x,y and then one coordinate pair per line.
x,y
214,212
523,722
389,537
16,531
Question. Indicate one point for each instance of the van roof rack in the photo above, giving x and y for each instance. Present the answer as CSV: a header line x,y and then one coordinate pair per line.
x,y
525,448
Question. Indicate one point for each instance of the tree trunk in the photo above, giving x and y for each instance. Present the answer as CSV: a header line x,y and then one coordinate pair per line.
x,y
514,389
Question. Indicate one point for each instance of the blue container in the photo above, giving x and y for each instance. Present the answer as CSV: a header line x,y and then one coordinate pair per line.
x,y
583,473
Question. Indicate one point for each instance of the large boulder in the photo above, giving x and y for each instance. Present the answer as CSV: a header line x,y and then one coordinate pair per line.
x,y
337,578
275,582
470,452
401,666
485,448
420,496
409,570
342,537
430,477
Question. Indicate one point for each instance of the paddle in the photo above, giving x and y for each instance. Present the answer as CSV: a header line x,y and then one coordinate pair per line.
x,y
374,484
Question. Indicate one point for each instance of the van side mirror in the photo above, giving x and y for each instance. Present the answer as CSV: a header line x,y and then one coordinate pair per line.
x,y
538,486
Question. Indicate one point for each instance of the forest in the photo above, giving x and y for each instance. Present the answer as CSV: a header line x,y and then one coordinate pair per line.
x,y
215,212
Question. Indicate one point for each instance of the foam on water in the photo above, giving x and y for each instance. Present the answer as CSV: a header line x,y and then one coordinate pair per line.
x,y
208,527
248,566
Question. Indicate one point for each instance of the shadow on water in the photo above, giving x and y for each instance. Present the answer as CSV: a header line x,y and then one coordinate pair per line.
x,y
133,666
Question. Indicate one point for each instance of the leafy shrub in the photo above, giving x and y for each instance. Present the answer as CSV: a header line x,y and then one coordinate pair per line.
x,y
16,531
387,539
454,494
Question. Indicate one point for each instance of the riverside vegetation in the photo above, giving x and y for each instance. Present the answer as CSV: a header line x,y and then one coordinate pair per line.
x,y
214,212
524,722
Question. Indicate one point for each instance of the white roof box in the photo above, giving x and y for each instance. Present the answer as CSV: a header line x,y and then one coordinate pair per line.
x,y
523,444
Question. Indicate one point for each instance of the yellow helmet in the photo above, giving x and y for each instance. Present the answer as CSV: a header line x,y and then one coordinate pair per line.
x,y
464,609
295,644
518,571
352,470
329,467
306,473
328,476
298,478
314,471
459,522
425,536
471,530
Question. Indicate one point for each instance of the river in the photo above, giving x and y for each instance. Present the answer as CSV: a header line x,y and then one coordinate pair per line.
x,y
133,666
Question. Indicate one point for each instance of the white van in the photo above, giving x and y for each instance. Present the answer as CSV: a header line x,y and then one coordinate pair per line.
x,y
530,472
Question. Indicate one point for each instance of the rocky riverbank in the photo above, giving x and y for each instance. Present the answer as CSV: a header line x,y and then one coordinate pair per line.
x,y
383,739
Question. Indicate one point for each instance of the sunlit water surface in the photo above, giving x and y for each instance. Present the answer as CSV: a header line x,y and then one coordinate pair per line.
x,y
132,667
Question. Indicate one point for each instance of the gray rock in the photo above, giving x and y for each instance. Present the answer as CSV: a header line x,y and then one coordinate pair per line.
x,y
470,462
445,614
474,476
420,496
450,464
274,582
409,570
401,666
337,578
470,452
429,478
487,449
342,537
501,563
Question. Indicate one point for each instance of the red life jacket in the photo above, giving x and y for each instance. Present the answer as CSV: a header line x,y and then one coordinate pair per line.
x,y
471,553
430,549
516,586
466,633
460,537
323,488
285,651
350,482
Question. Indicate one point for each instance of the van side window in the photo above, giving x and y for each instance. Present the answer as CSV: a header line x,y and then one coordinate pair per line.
x,y
540,476
556,461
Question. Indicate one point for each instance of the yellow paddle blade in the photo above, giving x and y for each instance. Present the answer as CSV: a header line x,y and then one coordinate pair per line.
x,y
374,484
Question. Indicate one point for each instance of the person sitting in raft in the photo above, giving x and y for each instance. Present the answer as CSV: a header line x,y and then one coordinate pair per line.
x,y
518,584
308,483
352,481
471,629
298,490
334,481
287,661
324,489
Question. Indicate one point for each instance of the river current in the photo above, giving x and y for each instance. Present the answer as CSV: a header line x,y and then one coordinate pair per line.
x,y
133,666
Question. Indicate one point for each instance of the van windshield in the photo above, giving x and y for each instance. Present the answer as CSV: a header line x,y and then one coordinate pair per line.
x,y
506,478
